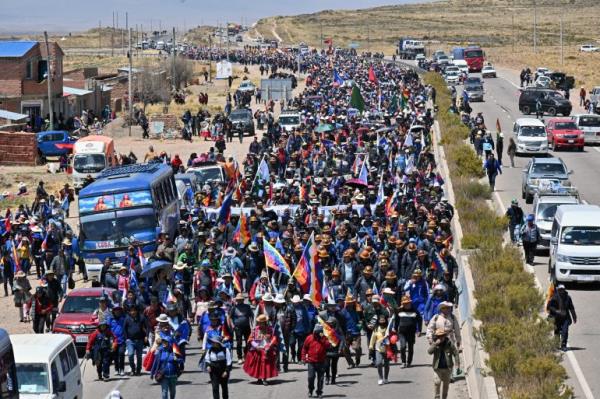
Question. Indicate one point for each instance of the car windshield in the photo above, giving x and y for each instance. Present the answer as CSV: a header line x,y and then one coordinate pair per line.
x,y
589,121
473,53
548,168
80,304
533,131
121,230
89,163
580,235
547,211
208,174
565,126
289,120
33,378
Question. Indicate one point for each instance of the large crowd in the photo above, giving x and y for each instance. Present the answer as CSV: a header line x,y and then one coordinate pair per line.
x,y
335,230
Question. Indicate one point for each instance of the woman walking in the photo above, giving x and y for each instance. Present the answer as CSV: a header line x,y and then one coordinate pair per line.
x,y
380,341
511,151
261,360
218,364
21,288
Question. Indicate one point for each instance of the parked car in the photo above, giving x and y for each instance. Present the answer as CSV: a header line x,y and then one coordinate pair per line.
x,y
242,119
588,48
553,102
76,316
564,133
54,143
488,71
539,170
475,92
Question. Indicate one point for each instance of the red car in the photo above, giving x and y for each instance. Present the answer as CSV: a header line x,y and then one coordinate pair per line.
x,y
76,316
563,133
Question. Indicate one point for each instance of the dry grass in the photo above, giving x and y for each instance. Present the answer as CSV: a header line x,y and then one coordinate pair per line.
x,y
448,23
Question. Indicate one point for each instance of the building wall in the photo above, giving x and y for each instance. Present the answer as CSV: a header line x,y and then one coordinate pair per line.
x,y
18,148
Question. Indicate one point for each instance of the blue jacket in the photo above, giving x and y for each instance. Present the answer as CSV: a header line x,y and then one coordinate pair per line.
x,y
166,362
431,307
117,326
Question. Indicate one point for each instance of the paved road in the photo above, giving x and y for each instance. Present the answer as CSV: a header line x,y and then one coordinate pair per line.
x,y
416,381
501,101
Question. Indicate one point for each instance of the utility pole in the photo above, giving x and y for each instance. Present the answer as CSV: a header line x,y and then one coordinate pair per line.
x,y
49,81
534,26
562,49
173,66
130,84
112,38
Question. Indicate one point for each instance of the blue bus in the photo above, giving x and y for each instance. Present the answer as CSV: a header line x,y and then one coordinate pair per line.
x,y
9,386
126,205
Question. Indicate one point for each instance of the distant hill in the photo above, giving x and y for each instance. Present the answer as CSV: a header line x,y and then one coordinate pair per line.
x,y
486,22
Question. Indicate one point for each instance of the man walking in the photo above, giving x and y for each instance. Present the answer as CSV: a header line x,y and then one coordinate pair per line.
x,y
443,351
530,235
561,309
314,352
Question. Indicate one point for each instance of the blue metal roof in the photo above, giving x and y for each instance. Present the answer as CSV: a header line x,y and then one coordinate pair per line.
x,y
13,49
126,178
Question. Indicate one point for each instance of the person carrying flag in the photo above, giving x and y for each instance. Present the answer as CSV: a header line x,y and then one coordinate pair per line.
x,y
314,354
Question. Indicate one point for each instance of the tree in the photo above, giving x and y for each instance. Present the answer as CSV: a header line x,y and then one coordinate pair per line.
x,y
180,71
151,86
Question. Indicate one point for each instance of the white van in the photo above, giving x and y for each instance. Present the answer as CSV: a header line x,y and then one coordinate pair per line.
x,y
590,126
575,244
47,366
531,136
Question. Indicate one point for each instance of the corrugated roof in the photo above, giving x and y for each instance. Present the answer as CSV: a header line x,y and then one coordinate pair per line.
x,y
12,116
75,91
12,49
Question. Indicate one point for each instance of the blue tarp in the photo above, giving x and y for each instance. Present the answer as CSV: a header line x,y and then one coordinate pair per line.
x,y
15,48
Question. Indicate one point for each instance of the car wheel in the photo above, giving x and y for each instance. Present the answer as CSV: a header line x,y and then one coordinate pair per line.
x,y
552,111
528,198
526,110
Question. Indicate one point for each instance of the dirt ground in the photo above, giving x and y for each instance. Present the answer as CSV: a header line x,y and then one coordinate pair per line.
x,y
10,176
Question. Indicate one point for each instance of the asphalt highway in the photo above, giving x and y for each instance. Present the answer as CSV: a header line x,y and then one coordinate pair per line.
x,y
501,102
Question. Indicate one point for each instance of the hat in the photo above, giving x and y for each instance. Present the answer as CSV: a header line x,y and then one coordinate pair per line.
x,y
267,297
440,332
239,296
163,318
262,318
179,266
279,298
296,299
306,297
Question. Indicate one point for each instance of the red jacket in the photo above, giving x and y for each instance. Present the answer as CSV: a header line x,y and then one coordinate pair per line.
x,y
314,349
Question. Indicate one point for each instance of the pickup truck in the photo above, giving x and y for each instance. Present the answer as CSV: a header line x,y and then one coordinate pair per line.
x,y
54,143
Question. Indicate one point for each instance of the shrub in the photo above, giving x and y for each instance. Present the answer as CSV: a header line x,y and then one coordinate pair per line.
x,y
522,351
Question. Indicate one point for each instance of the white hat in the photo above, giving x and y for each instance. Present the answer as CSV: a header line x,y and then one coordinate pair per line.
x,y
279,298
296,299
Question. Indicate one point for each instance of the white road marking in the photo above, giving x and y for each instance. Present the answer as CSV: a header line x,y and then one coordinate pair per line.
x,y
587,392
570,355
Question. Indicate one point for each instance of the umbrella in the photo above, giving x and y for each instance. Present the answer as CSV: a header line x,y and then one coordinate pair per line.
x,y
324,127
356,183
154,266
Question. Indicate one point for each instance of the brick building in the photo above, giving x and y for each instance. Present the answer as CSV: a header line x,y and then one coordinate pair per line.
x,y
23,74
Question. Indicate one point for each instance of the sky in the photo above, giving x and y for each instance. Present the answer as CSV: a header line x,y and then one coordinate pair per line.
x,y
18,16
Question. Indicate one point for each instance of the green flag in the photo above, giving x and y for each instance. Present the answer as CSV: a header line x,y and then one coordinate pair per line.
x,y
393,105
357,100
